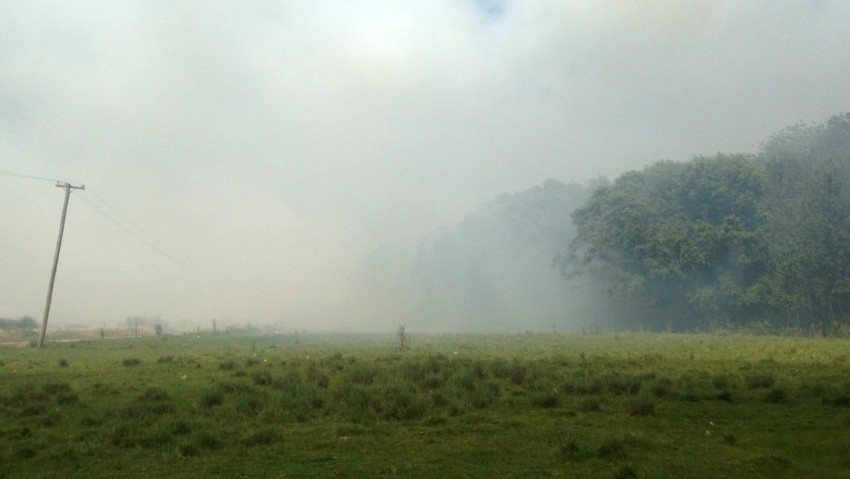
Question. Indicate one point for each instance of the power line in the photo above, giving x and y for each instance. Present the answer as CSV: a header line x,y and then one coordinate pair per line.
x,y
139,230
29,177
138,236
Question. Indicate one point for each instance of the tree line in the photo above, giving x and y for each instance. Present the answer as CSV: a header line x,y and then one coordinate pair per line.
x,y
24,323
730,238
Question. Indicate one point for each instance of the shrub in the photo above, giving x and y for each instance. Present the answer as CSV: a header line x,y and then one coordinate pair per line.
x,y
227,365
165,359
63,363
130,362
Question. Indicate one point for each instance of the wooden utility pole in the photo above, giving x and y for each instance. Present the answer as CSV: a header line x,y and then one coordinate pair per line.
x,y
68,187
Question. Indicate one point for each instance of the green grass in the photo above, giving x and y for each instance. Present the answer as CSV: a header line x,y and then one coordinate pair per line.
x,y
528,405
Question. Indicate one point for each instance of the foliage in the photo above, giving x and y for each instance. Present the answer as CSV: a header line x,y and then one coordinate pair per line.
x,y
729,239
24,323
683,236
807,207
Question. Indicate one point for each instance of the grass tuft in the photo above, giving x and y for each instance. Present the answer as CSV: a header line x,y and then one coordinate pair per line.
x,y
776,395
760,380
641,405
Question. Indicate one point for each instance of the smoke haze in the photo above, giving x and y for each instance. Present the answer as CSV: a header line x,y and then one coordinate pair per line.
x,y
242,159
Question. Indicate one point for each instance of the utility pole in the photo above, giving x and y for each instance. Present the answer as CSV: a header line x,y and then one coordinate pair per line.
x,y
68,187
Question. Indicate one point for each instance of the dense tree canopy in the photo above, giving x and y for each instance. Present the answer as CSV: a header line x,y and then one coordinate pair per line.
x,y
729,238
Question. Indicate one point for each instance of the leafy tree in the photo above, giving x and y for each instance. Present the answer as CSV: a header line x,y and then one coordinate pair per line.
x,y
27,323
24,323
807,211
684,236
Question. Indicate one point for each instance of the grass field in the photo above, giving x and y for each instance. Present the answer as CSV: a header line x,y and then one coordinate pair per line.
x,y
525,405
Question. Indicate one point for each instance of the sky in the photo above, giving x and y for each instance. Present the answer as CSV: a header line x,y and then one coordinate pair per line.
x,y
240,158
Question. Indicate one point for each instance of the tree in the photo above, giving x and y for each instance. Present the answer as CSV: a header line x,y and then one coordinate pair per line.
x,y
27,323
807,211
682,236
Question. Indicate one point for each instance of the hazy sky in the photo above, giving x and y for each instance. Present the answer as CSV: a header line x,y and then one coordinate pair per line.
x,y
269,145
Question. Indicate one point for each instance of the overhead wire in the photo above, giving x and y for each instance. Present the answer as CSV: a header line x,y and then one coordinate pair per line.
x,y
139,230
29,177
138,236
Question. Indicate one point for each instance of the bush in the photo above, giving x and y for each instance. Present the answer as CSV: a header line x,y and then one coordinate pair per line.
x,y
130,362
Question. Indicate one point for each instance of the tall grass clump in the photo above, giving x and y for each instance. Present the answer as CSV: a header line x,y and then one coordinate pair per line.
x,y
776,395
759,380
211,398
640,405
